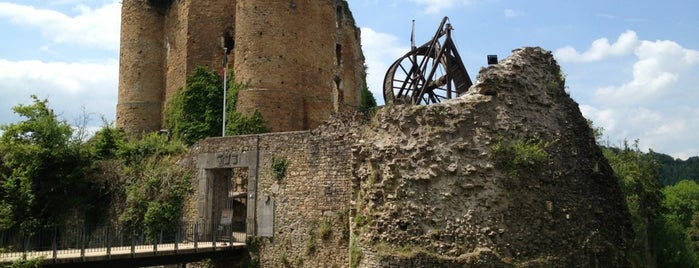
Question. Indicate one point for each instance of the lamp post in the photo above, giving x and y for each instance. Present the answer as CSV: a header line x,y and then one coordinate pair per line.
x,y
225,88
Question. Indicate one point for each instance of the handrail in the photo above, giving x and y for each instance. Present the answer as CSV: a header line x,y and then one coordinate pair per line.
x,y
109,240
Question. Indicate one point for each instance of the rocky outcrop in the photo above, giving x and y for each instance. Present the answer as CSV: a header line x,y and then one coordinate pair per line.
x,y
508,174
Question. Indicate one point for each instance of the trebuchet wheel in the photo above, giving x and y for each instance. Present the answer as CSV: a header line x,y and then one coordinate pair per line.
x,y
427,74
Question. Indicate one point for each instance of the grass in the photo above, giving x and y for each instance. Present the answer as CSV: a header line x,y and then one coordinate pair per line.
x,y
311,245
325,229
355,253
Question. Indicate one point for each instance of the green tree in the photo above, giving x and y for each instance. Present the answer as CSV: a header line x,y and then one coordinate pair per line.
x,y
106,142
638,178
692,233
672,245
681,228
682,201
44,168
662,218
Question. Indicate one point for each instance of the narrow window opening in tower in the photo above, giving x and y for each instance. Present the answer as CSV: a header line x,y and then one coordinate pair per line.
x,y
338,54
228,42
338,15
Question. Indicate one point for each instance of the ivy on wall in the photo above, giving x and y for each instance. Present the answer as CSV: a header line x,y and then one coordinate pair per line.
x,y
195,112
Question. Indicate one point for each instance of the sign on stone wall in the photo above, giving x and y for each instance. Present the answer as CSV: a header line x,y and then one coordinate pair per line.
x,y
226,159
265,217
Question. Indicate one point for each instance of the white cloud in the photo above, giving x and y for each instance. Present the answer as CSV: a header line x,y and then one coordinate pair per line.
x,y
656,104
380,51
436,6
661,68
91,27
68,86
600,49
669,131
603,118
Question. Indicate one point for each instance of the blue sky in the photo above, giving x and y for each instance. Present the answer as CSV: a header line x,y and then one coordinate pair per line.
x,y
633,66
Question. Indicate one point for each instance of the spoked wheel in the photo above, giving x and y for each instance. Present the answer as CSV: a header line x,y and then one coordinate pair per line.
x,y
427,74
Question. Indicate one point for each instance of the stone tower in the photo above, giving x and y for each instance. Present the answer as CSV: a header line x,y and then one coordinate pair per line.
x,y
301,59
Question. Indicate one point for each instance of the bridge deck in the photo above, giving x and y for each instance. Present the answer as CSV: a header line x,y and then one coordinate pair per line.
x,y
102,247
98,254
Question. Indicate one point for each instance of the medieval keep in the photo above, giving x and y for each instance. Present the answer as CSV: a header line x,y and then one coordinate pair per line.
x,y
301,60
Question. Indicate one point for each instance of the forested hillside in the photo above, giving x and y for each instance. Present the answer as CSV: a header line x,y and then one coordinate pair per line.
x,y
664,210
675,170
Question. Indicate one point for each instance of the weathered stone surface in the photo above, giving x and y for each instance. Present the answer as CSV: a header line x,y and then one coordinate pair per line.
x,y
450,198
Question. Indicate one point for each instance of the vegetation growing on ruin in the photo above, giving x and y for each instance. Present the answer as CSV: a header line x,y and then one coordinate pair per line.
x,y
355,252
343,218
196,111
254,246
279,168
516,156
311,245
326,229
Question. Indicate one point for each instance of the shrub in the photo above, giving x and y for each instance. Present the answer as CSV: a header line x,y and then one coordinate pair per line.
x,y
279,168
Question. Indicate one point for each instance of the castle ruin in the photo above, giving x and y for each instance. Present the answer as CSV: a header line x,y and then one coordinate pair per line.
x,y
301,60
428,185
413,186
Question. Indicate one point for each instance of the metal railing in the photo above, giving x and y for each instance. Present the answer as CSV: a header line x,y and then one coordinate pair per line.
x,y
113,239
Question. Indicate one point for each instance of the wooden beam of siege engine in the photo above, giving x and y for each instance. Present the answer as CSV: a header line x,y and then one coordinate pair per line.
x,y
412,77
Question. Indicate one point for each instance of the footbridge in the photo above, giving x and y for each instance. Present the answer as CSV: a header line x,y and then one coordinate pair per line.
x,y
113,245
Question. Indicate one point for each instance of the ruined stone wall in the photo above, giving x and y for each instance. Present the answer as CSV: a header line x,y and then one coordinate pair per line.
x,y
350,68
310,203
458,183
